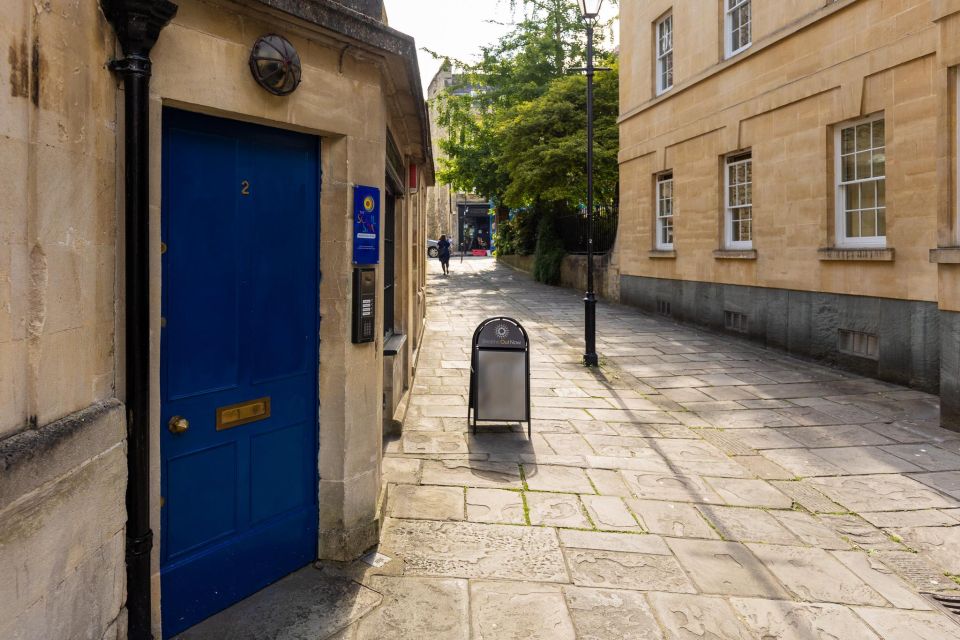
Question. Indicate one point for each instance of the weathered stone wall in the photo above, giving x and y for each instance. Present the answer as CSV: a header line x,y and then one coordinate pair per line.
x,y
62,437
522,263
950,369
62,528
57,213
805,323
573,274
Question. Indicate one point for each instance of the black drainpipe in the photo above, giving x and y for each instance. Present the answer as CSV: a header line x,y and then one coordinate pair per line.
x,y
137,24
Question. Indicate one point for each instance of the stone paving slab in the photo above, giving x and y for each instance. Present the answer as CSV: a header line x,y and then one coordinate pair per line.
x,y
611,614
689,617
747,525
557,510
426,502
541,477
793,621
749,493
417,608
619,570
940,544
518,610
305,604
887,492
473,550
813,575
503,475
882,580
910,625
672,488
810,530
672,519
607,541
495,505
725,568
610,514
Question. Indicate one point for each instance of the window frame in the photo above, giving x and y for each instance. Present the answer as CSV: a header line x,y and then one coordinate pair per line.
x,y
660,220
729,160
660,57
728,49
842,240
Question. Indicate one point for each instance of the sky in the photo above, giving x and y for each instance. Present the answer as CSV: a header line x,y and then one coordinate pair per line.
x,y
456,28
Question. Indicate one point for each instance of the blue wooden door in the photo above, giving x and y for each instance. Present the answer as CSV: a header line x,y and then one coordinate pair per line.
x,y
239,360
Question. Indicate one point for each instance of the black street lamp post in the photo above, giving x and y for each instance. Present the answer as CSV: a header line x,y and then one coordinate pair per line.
x,y
590,10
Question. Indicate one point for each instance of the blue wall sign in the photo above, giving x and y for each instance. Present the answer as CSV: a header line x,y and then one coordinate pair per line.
x,y
366,225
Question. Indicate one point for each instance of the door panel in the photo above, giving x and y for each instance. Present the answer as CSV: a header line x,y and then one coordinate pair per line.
x,y
239,357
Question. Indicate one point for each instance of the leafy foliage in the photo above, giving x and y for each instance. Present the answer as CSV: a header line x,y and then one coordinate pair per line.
x,y
516,119
545,140
550,252
517,236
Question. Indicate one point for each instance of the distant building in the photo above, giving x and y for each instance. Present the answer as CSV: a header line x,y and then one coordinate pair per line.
x,y
460,216
789,173
188,411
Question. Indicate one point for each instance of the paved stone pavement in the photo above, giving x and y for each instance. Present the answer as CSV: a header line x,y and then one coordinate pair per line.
x,y
695,486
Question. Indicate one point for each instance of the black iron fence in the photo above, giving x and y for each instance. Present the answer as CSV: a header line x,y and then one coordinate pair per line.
x,y
574,230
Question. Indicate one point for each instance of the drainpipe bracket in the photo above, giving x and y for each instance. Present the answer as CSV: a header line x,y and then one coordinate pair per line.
x,y
140,545
132,64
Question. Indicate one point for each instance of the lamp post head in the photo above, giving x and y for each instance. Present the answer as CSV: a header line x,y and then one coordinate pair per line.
x,y
590,9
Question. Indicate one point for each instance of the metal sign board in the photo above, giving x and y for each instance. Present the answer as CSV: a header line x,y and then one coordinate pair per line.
x,y
500,373
366,225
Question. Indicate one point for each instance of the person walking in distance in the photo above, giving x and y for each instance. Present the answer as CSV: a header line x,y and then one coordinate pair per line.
x,y
443,252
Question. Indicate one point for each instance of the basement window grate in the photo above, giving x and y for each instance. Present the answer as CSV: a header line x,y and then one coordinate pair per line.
x,y
735,321
859,343
947,603
663,307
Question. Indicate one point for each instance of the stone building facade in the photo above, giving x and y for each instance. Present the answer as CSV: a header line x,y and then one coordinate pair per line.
x,y
444,204
789,172
240,189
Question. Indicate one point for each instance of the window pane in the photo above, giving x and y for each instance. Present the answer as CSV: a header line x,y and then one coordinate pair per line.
x,y
868,195
853,197
853,224
863,165
868,222
881,193
881,222
878,133
747,234
863,137
879,163
846,140
849,162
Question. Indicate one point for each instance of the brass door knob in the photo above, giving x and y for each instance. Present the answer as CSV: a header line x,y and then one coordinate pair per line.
x,y
178,424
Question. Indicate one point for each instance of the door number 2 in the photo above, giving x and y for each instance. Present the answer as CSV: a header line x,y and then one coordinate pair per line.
x,y
245,188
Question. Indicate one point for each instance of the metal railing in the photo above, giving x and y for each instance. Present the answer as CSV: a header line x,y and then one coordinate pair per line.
x,y
574,230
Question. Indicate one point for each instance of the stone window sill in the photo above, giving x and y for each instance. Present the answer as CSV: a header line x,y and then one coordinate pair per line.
x,y
662,254
394,344
735,254
945,255
833,254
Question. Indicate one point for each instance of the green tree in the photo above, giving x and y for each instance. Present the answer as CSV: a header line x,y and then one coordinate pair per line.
x,y
513,75
544,143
